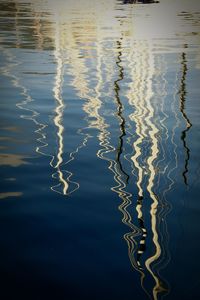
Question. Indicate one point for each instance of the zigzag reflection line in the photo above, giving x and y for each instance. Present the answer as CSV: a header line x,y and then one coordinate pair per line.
x,y
78,70
57,90
138,87
94,104
70,174
168,206
164,129
22,105
182,93
177,124
92,108
153,131
136,99
114,166
120,189
164,204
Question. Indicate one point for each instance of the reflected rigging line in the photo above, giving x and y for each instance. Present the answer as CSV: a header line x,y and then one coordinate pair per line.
x,y
92,107
183,93
153,130
24,92
119,171
120,109
165,206
34,114
140,97
59,111
27,99
116,165
136,99
57,90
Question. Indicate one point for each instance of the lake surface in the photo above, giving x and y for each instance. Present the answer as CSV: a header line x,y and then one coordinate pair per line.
x,y
100,152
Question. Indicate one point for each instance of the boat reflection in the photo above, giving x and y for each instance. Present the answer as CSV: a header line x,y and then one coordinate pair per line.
x,y
139,1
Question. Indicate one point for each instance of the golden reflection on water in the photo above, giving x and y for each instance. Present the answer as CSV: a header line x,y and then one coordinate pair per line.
x,y
145,109
10,194
14,160
59,109
57,162
153,130
140,95
99,50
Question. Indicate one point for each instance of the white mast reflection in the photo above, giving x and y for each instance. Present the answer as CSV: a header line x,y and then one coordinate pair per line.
x,y
59,111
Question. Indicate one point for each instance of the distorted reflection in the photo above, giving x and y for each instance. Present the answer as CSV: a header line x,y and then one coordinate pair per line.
x,y
10,194
140,97
183,93
14,160
59,110
128,97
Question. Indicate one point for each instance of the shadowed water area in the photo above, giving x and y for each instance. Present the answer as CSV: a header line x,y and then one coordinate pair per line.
x,y
99,152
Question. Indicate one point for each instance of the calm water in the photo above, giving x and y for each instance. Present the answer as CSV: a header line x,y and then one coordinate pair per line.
x,y
100,131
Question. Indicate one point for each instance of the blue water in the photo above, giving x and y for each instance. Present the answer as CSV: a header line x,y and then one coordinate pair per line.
x,y
99,153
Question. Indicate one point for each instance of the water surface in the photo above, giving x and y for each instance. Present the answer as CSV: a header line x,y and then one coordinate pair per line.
x,y
99,152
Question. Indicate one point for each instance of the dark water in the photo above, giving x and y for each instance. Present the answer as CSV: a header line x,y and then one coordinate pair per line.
x,y
99,149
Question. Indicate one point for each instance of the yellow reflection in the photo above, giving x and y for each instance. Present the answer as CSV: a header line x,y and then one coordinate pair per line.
x,y
10,194
153,130
121,177
66,45
59,110
74,41
136,99
140,96
163,165
80,38
83,44
13,160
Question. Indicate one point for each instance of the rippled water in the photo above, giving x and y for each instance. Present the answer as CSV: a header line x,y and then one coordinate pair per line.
x,y
99,149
